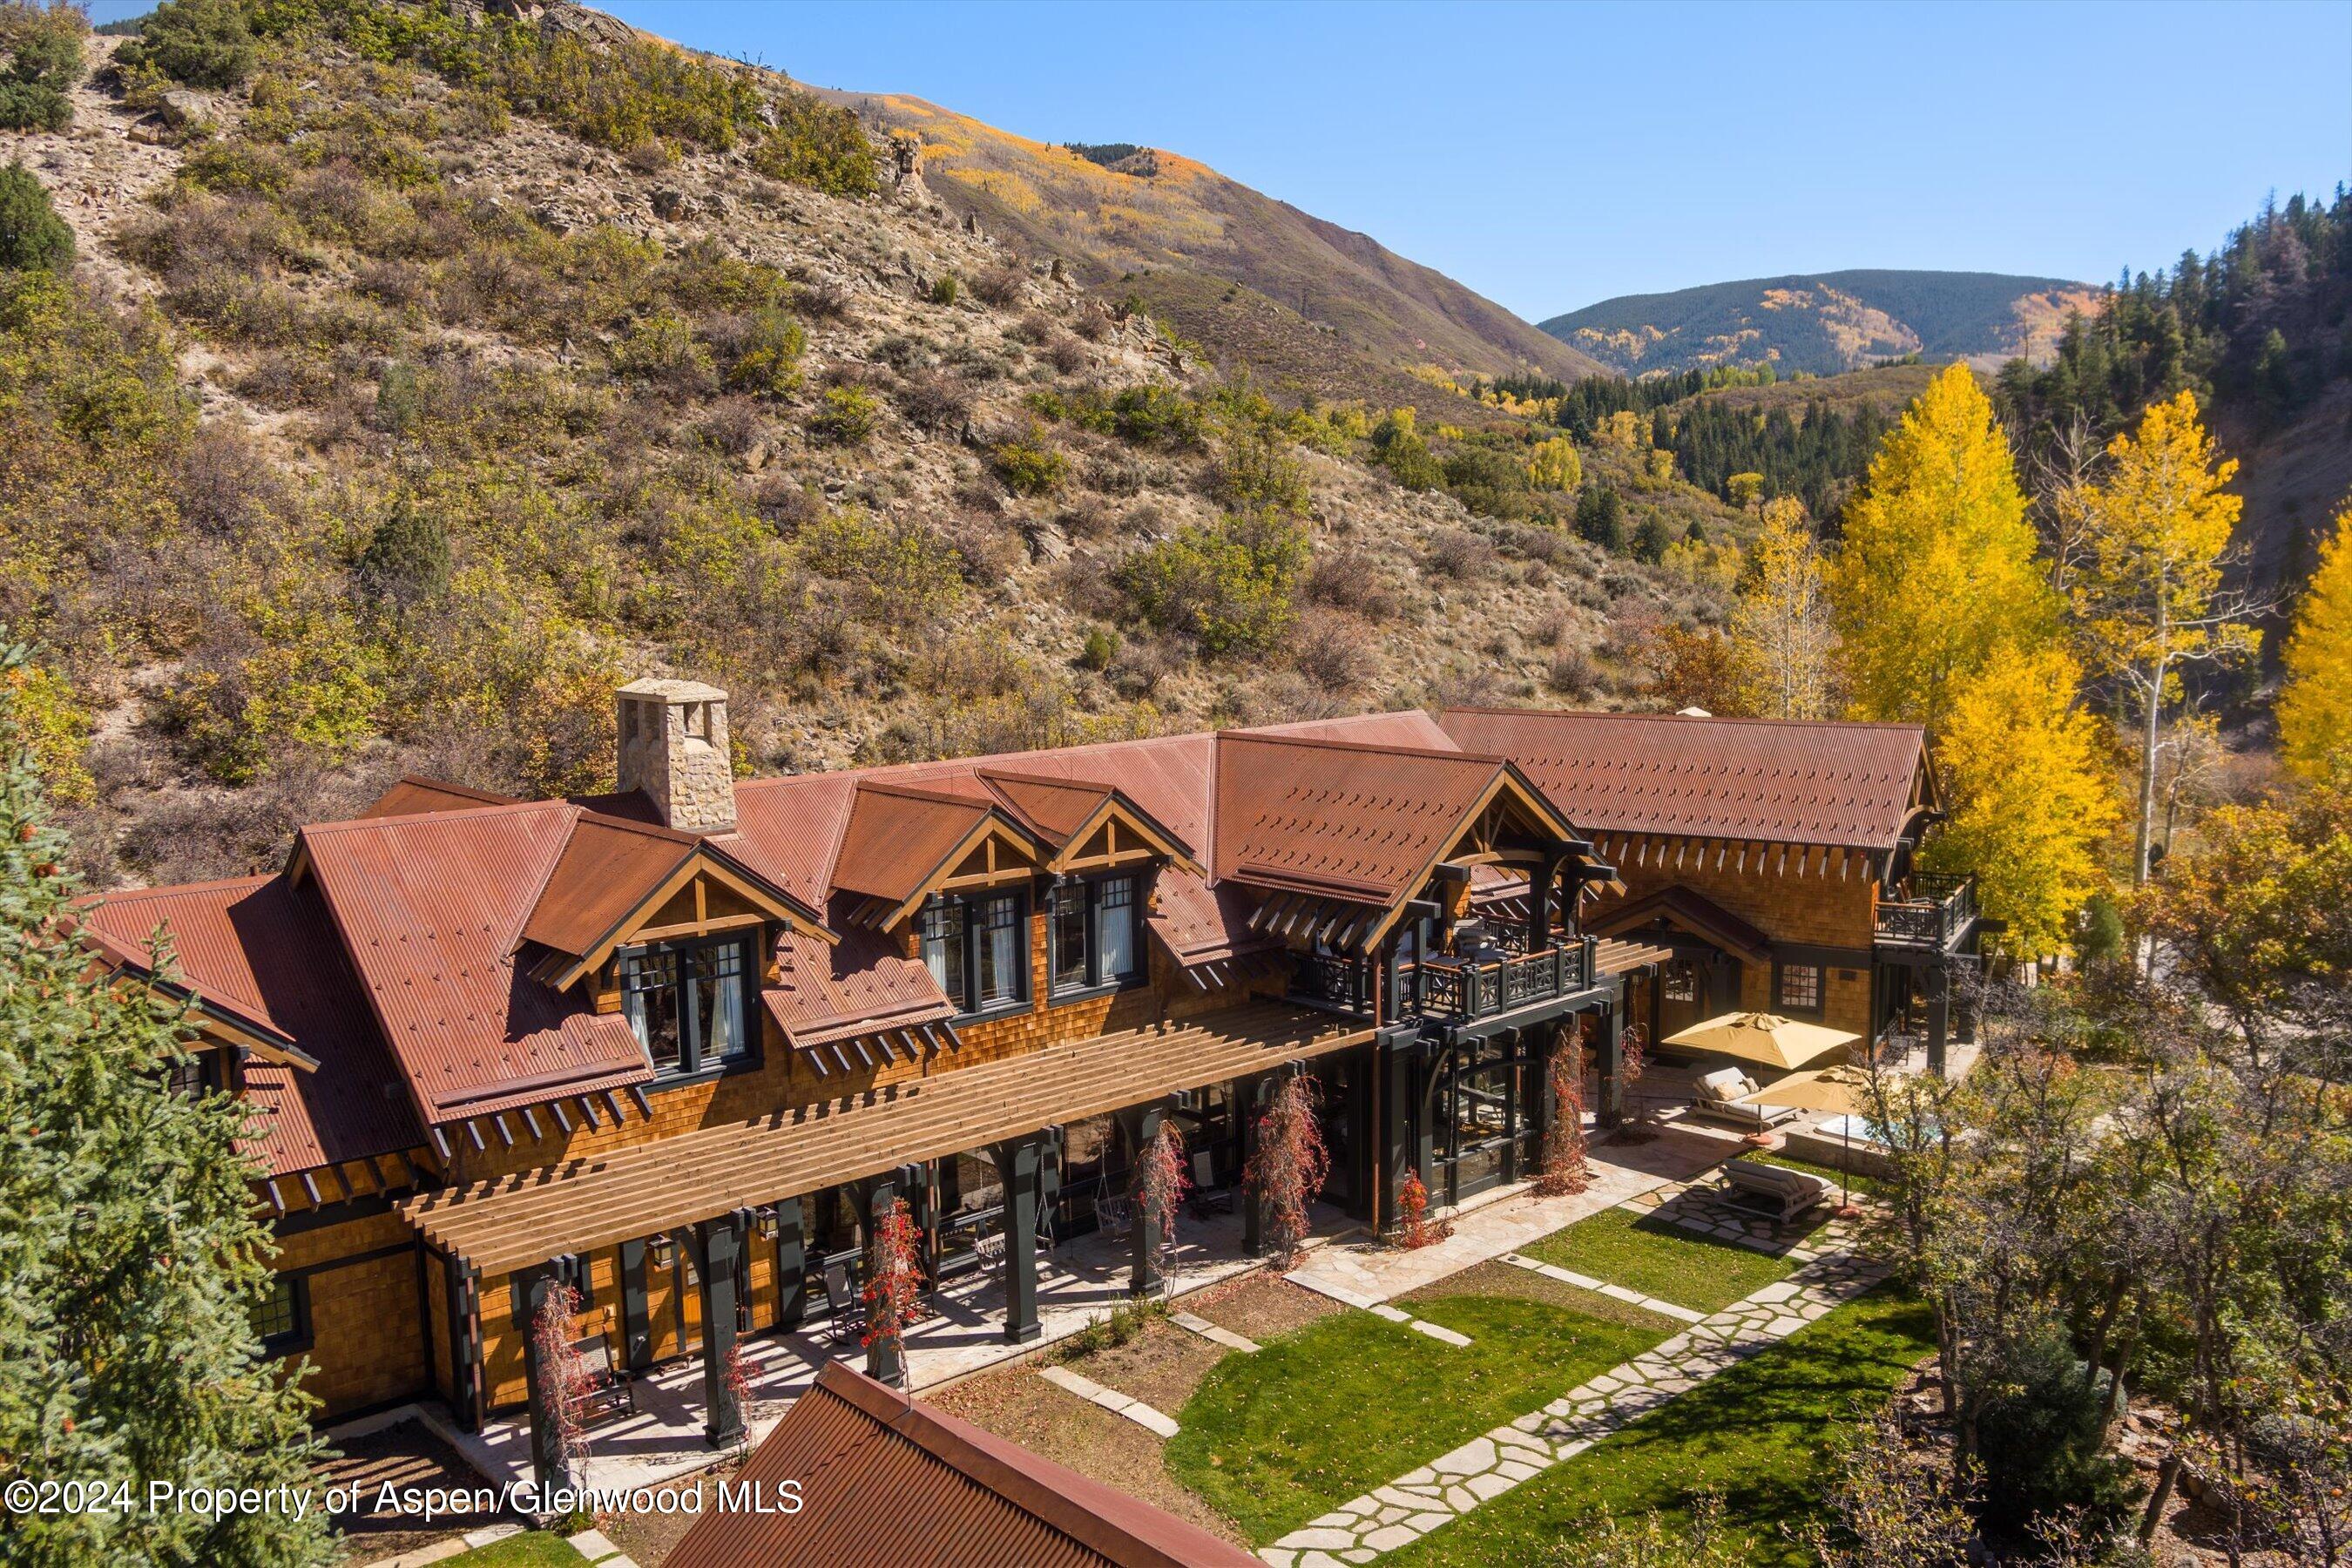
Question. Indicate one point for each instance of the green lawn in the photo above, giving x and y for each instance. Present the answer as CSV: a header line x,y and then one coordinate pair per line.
x,y
1659,1259
532,1549
1336,1408
1761,1435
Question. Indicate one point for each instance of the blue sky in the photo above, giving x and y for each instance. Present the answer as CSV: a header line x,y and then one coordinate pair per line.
x,y
1553,155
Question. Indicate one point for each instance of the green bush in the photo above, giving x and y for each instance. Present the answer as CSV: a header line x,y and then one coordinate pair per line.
x,y
846,417
42,50
943,289
1410,464
765,357
1156,415
2041,1441
407,558
1028,465
1650,540
203,43
1257,470
33,237
1229,584
1101,648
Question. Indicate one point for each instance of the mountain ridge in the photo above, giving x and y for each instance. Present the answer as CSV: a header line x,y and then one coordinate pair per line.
x,y
1822,323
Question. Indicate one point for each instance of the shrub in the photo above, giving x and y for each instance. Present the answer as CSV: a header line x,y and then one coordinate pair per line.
x,y
762,352
846,417
1650,540
407,558
1101,648
203,43
2040,1438
662,348
1334,652
42,46
1228,583
1001,286
1028,465
1459,553
1256,471
1351,580
935,401
1601,518
1410,463
33,237
1154,414
944,289
1067,356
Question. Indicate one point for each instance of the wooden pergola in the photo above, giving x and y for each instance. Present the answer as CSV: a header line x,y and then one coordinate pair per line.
x,y
512,1222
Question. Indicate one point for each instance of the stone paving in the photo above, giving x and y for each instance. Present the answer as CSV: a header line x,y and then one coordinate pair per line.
x,y
1215,1334
1144,1415
1701,1207
1487,1467
1615,1292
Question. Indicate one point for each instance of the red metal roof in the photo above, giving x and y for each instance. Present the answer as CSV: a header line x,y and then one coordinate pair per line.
x,y
1338,818
260,948
1771,780
886,1479
607,867
414,796
831,991
431,910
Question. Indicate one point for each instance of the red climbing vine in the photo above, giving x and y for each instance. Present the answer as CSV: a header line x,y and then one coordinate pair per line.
x,y
1414,1228
1632,1060
894,1281
1289,1164
1563,1171
1160,1181
562,1370
737,1372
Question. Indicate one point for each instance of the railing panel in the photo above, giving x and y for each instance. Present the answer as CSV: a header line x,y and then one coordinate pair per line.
x,y
1333,981
1458,992
1941,907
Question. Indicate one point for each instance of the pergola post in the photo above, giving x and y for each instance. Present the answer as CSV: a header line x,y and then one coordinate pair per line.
x,y
1019,1167
1142,1124
1609,1061
1540,882
792,1264
1940,1015
636,1320
883,1362
717,1250
546,1453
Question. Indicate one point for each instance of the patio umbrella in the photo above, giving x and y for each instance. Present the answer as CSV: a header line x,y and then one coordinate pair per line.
x,y
1828,1089
1764,1038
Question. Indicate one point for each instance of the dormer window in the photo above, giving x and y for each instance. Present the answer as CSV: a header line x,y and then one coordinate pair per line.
x,y
977,948
1093,934
690,1002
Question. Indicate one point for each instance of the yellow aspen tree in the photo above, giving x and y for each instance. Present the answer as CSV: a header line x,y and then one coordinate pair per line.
x,y
1553,465
2149,597
1938,573
1780,632
2029,794
2315,706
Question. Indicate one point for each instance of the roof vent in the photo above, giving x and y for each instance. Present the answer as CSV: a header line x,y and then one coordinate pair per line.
x,y
1693,713
674,747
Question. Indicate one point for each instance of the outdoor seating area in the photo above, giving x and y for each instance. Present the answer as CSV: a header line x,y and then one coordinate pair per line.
x,y
1721,1096
1773,1190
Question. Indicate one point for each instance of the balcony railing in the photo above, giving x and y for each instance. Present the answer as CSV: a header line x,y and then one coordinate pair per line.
x,y
1454,991
1939,907
1326,980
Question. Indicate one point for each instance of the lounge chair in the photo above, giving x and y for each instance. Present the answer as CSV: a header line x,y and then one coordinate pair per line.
x,y
1773,1190
1717,1096
605,1391
1207,1197
847,1317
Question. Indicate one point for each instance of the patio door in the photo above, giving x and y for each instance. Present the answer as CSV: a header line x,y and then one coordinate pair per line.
x,y
1486,1126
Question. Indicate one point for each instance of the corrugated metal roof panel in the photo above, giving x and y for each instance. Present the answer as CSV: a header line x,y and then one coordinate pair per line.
x,y
261,948
607,867
1785,782
431,908
824,991
957,1496
898,837
1346,820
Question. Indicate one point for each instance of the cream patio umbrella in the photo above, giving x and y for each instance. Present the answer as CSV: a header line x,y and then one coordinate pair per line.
x,y
1833,1088
1765,1037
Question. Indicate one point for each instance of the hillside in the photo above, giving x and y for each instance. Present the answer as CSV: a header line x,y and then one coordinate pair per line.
x,y
405,396
1162,225
1822,323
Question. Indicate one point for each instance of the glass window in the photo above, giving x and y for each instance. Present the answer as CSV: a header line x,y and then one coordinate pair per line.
x,y
1072,957
1800,987
1000,950
689,1003
1114,927
1681,980
279,1318
943,947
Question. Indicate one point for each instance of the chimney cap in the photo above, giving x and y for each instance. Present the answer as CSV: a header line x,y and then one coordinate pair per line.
x,y
674,690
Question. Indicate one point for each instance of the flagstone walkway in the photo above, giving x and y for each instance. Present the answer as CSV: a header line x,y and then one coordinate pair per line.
x,y
1441,1492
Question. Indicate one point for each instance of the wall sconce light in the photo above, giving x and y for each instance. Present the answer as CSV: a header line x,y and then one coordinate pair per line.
x,y
765,1219
662,1251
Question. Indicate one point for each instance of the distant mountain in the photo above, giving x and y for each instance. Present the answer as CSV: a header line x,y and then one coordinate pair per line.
x,y
1825,322
1303,301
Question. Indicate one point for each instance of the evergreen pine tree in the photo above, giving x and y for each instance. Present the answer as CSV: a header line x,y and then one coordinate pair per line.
x,y
132,1260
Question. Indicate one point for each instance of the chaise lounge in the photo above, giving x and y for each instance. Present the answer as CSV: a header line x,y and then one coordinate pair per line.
x,y
1772,1190
1717,1097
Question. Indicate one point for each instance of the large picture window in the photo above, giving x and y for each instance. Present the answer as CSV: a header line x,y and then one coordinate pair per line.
x,y
689,1003
1093,934
977,948
1799,989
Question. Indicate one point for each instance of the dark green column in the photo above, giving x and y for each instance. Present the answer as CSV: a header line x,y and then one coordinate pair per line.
x,y
883,1362
717,1247
1020,1166
1940,1015
792,1264
1393,1158
1609,1062
1142,1123
546,1461
637,1320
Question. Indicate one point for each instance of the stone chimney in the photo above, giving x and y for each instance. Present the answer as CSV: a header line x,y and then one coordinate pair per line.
x,y
674,747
